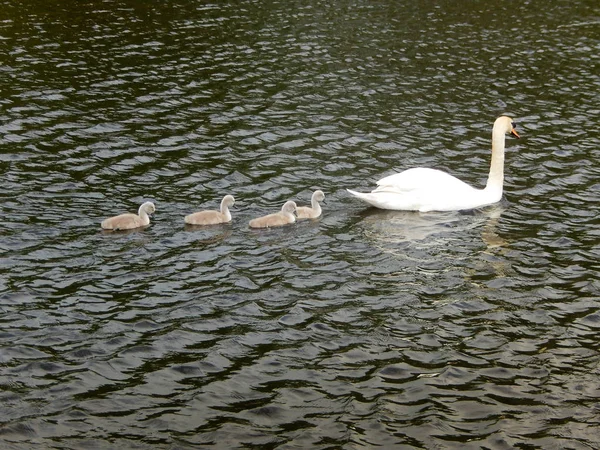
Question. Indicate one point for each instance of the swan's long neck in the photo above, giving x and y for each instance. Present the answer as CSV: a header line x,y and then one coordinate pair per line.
x,y
496,176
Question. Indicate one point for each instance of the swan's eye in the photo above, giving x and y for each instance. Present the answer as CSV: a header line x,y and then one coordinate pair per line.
x,y
514,125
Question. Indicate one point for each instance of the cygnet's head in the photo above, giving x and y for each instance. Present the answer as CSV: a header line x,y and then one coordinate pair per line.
x,y
228,200
319,195
289,207
148,207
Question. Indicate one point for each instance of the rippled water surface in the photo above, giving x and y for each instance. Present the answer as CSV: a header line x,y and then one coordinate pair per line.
x,y
363,329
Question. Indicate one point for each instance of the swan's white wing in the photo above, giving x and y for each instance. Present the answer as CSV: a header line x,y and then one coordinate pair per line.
x,y
422,189
420,178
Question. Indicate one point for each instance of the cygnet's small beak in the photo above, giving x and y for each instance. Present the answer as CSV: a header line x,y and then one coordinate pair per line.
x,y
515,134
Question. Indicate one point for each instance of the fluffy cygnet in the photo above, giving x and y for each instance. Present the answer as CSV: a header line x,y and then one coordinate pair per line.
x,y
212,217
283,217
308,212
130,221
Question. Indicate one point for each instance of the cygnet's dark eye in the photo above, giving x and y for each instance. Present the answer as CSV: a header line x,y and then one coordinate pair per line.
x,y
514,125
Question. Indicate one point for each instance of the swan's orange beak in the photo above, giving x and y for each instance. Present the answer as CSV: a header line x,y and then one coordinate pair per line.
x,y
515,134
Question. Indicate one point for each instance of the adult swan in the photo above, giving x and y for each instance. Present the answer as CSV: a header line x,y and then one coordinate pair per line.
x,y
423,189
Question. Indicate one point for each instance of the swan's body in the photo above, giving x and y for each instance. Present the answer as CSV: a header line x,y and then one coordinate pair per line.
x,y
313,211
424,189
283,217
130,221
212,217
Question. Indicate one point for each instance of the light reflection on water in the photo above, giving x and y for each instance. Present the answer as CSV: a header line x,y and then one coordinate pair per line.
x,y
363,328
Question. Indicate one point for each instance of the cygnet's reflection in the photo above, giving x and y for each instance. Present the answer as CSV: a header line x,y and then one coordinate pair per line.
x,y
209,234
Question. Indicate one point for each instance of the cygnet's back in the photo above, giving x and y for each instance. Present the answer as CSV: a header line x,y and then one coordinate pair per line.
x,y
130,221
212,217
283,217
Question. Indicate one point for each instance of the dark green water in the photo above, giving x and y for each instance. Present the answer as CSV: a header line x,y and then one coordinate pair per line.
x,y
364,329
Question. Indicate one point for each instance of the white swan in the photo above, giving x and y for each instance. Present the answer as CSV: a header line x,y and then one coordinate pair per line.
x,y
423,189
313,211
130,221
212,217
283,217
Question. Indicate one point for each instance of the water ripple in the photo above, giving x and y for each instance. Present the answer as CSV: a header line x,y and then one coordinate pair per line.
x,y
362,329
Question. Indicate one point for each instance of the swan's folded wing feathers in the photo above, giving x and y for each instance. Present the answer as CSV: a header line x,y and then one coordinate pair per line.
x,y
415,178
393,189
420,178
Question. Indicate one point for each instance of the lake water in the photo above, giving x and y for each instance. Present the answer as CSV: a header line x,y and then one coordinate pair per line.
x,y
363,329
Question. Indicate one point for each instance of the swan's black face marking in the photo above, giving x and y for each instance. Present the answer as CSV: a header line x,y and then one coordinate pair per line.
x,y
513,131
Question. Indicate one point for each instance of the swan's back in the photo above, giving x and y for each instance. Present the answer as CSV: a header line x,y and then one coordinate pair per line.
x,y
420,178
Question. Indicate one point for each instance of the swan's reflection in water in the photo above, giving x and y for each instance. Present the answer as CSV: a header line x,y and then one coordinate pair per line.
x,y
442,258
395,227
439,240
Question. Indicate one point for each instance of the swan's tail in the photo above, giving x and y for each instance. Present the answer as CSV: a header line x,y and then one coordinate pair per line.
x,y
387,199
356,194
367,198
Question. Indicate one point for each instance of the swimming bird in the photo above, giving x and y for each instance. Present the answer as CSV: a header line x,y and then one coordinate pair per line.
x,y
283,217
423,189
212,217
313,211
130,221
